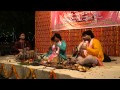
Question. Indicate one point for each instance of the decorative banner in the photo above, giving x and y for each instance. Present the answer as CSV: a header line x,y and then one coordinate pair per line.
x,y
64,20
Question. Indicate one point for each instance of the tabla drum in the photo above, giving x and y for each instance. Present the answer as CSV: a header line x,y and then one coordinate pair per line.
x,y
28,55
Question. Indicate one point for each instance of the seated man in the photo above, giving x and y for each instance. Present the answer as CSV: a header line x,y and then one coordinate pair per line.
x,y
90,50
54,50
62,46
22,44
57,49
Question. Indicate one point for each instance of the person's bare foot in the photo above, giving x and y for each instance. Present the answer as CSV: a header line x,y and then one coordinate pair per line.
x,y
48,62
43,62
93,65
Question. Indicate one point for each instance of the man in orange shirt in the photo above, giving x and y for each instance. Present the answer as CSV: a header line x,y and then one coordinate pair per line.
x,y
91,49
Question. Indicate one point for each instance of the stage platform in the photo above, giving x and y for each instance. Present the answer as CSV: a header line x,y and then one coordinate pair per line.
x,y
9,68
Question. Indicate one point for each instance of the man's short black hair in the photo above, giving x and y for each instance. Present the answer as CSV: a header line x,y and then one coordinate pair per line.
x,y
52,38
57,35
21,33
88,32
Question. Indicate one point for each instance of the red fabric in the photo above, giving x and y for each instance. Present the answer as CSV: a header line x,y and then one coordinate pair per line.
x,y
64,20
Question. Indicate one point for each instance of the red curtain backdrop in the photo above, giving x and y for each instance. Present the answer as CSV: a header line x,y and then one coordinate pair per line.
x,y
108,36
64,20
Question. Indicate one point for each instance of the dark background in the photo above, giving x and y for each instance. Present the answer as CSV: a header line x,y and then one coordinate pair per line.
x,y
12,23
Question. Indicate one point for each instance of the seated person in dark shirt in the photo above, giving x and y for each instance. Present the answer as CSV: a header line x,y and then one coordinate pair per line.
x,y
21,44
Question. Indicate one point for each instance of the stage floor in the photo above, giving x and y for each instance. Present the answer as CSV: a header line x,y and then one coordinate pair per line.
x,y
12,70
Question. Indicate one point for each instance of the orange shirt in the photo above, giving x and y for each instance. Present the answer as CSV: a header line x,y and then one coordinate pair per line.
x,y
96,49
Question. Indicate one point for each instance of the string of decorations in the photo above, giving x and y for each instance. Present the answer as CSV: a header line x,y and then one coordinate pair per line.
x,y
29,73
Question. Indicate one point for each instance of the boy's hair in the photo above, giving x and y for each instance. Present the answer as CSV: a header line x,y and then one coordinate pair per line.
x,y
88,32
52,38
58,36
